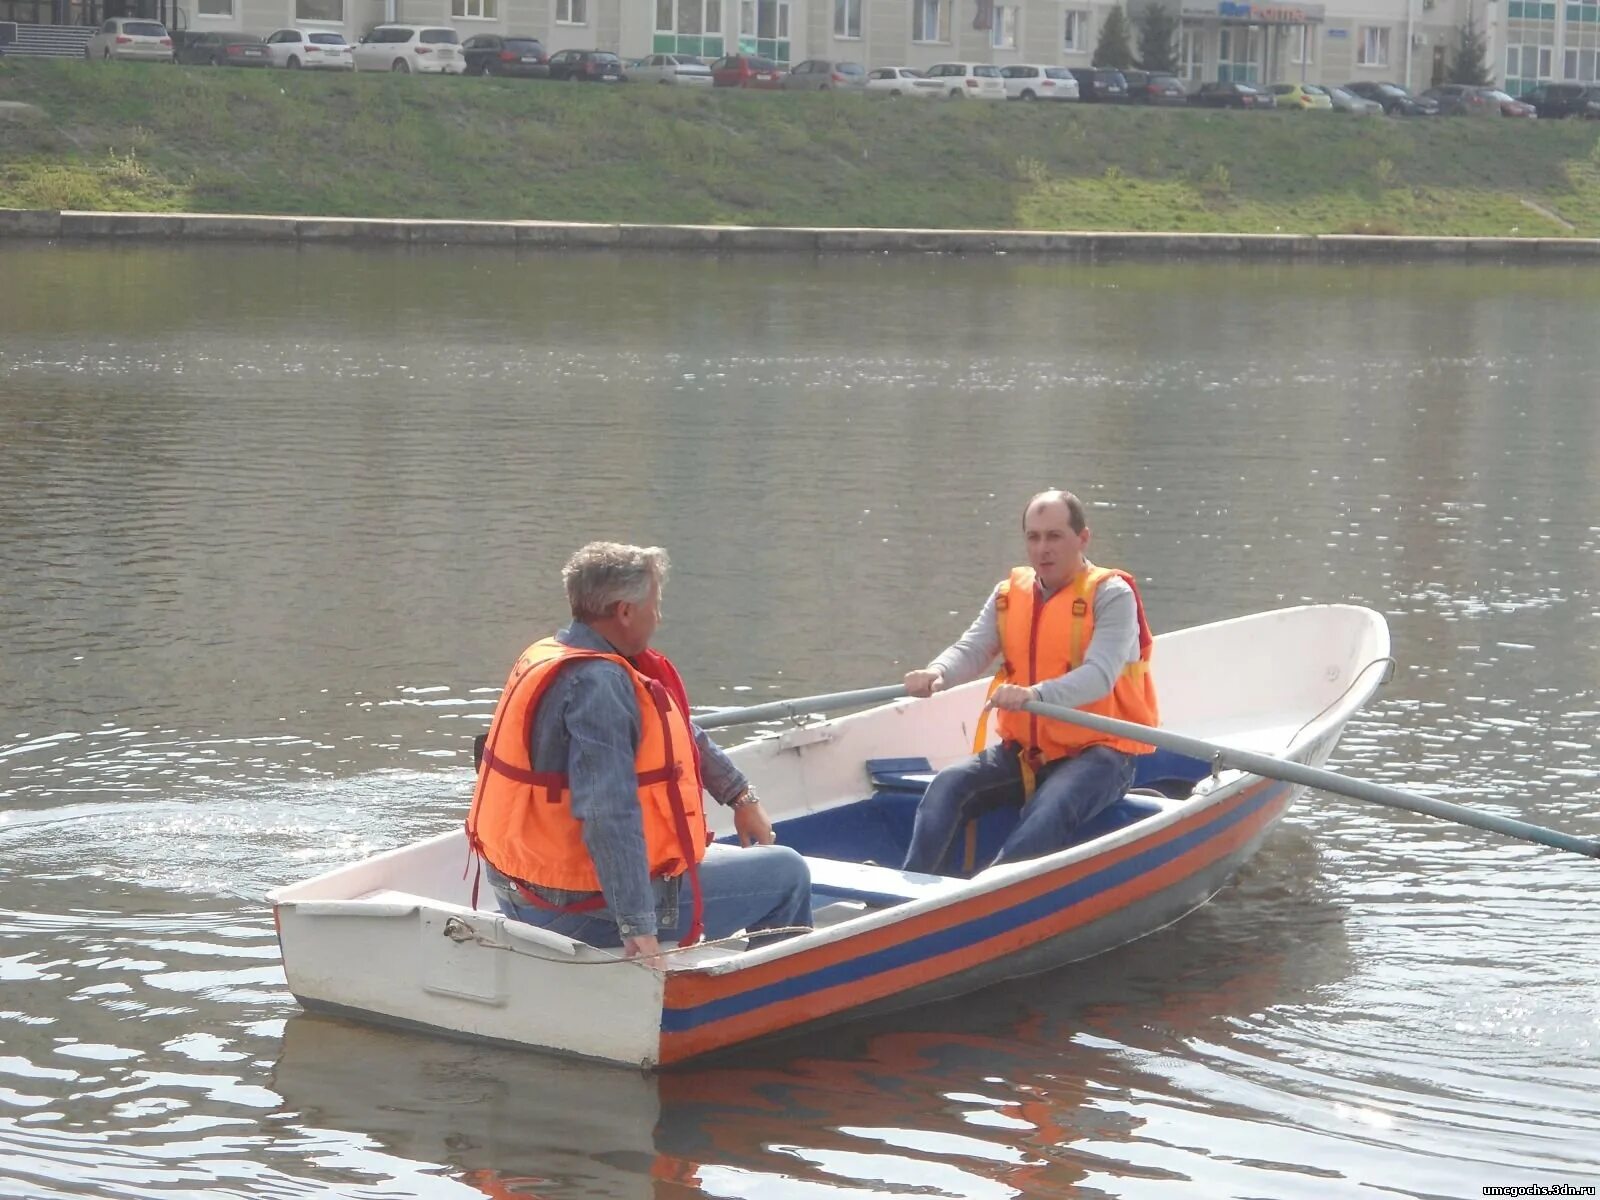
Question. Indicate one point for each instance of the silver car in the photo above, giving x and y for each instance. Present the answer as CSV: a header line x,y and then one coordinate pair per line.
x,y
670,68
129,39
1029,82
902,81
825,75
1349,102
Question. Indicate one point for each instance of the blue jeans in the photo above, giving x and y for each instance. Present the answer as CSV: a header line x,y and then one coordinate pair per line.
x,y
1069,792
753,888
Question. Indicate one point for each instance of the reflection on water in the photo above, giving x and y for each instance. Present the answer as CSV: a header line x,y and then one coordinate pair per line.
x,y
272,524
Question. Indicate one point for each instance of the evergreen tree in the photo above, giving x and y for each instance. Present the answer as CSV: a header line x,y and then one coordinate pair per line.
x,y
1158,38
1112,50
1470,65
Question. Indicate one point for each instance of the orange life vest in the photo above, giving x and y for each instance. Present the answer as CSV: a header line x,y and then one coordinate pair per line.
x,y
521,820
1041,639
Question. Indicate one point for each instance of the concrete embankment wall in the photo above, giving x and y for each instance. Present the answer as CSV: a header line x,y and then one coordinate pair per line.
x,y
206,227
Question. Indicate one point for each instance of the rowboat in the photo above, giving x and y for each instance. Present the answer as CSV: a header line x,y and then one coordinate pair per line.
x,y
397,939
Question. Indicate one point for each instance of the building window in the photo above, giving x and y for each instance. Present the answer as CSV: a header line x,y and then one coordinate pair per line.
x,y
570,12
1074,34
688,18
477,10
1302,45
319,10
764,29
1191,53
930,21
1003,27
1373,49
847,18
214,8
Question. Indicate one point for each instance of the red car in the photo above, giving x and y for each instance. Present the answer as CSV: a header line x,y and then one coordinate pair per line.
x,y
746,71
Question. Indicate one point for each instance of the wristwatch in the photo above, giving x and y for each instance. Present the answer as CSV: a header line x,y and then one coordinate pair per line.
x,y
745,797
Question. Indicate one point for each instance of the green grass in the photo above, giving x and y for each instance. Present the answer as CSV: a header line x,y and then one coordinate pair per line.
x,y
139,137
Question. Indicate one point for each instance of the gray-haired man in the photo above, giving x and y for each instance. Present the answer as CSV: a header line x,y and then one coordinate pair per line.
x,y
588,809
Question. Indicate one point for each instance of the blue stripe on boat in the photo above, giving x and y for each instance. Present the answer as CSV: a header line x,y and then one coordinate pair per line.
x,y
679,1020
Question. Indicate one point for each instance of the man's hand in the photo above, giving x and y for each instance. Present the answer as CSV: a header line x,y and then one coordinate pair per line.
x,y
646,948
754,827
925,683
1011,697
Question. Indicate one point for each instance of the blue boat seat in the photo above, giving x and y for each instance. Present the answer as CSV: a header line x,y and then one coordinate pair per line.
x,y
879,886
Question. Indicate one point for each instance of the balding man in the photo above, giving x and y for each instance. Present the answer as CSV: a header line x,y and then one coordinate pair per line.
x,y
1069,633
589,810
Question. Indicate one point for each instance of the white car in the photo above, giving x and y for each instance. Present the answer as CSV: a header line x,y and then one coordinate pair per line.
x,y
903,81
129,39
962,81
670,68
312,49
425,49
1026,81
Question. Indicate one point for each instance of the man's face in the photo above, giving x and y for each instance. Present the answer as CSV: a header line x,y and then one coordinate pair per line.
x,y
638,622
1055,552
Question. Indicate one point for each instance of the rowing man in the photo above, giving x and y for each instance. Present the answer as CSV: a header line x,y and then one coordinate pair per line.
x,y
1068,633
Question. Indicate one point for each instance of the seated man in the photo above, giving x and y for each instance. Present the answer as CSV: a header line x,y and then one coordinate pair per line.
x,y
589,809
1070,634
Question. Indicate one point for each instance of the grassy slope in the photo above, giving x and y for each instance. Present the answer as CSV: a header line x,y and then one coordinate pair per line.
x,y
145,137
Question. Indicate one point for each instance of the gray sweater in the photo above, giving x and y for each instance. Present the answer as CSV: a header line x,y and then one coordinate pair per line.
x,y
1114,645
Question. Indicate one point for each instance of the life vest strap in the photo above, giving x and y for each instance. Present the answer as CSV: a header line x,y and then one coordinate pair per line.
x,y
555,782
539,902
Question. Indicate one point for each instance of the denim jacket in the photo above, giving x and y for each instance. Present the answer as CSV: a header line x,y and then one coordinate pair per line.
x,y
587,725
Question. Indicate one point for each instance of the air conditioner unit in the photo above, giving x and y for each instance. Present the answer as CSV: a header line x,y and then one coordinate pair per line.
x,y
1418,39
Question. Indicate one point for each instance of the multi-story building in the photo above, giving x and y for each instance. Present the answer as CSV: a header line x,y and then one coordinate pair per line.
x,y
1407,41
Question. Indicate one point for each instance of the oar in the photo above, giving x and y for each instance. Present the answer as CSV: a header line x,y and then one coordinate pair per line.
x,y
1223,757
776,710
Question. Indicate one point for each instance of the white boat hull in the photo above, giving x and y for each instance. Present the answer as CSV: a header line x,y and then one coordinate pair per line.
x,y
396,939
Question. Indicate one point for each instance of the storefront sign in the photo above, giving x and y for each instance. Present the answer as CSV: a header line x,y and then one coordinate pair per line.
x,y
1262,14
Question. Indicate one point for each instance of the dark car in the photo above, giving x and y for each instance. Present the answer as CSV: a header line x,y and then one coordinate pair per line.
x,y
1101,85
1565,100
221,49
1396,100
497,54
746,71
1155,87
589,66
1460,100
1232,94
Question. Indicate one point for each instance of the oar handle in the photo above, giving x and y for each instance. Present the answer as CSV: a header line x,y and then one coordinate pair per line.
x,y
778,710
1226,758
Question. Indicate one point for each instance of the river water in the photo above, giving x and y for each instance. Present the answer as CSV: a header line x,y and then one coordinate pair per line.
x,y
273,524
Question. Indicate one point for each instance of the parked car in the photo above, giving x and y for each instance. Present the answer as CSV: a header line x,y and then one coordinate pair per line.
x,y
1155,87
824,75
223,48
125,39
903,81
746,71
1025,81
1348,102
1397,101
309,49
1510,106
505,54
1460,100
1300,97
425,49
1565,100
959,80
682,69
1101,85
1232,94
587,66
